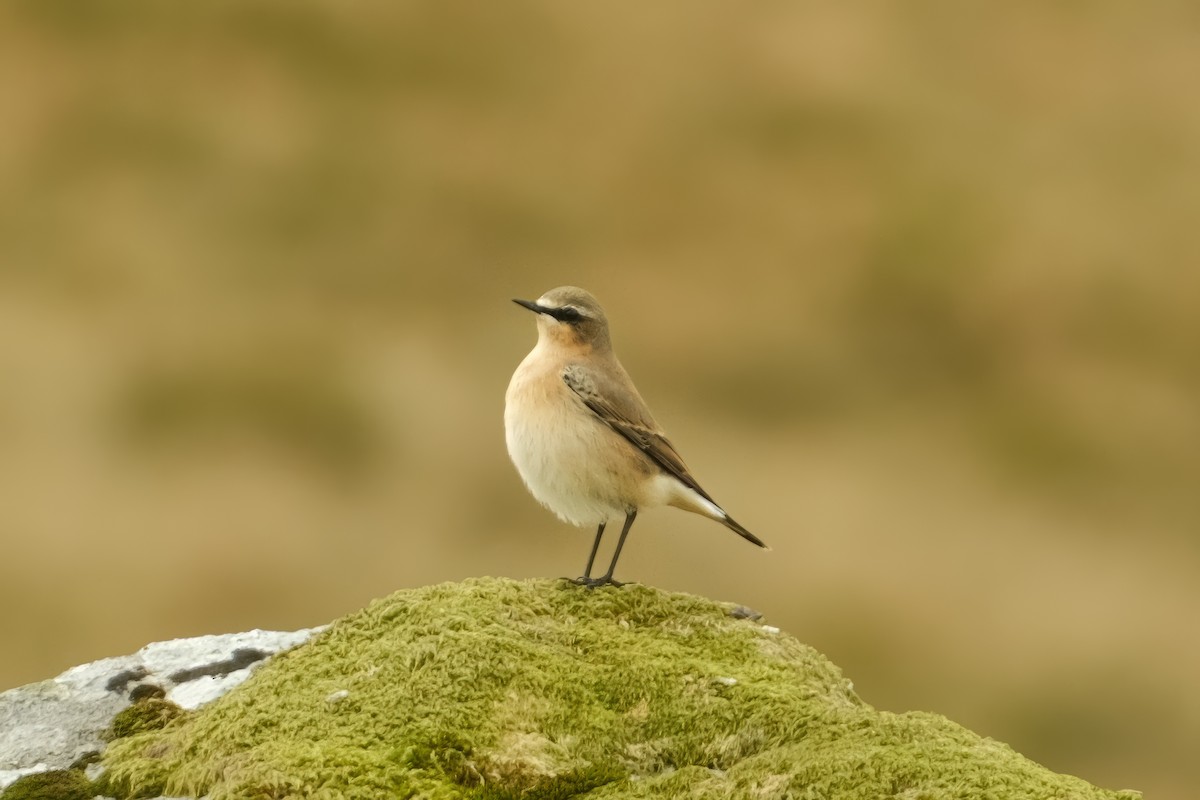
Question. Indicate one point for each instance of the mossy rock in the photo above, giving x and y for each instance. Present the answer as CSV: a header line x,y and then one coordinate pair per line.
x,y
495,688
147,714
59,784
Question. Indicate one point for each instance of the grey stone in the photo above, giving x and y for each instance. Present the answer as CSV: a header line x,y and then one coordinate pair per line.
x,y
50,724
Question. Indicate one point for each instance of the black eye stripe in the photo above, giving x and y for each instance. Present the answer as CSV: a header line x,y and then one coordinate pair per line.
x,y
565,314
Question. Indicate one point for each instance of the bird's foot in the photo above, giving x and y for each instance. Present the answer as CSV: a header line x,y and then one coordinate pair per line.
x,y
592,583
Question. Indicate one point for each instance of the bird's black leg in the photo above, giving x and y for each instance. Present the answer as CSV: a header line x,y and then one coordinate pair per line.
x,y
607,578
587,572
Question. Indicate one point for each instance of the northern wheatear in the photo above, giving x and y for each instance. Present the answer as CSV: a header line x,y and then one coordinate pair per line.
x,y
581,436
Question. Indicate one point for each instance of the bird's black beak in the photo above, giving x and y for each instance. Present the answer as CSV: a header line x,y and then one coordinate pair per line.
x,y
532,306
565,314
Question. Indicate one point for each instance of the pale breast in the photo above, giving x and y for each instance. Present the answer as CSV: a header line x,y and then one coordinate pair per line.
x,y
563,453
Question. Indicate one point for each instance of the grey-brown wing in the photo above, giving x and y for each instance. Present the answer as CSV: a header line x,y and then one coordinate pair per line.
x,y
626,414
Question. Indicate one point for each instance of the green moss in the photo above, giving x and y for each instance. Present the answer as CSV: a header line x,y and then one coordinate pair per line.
x,y
494,689
60,784
555,787
86,760
147,714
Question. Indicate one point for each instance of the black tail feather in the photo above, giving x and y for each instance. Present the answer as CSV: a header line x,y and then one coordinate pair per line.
x,y
736,527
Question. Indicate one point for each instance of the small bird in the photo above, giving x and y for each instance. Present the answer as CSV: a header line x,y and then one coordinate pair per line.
x,y
581,436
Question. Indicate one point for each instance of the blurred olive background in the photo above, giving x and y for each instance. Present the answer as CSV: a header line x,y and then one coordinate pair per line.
x,y
914,288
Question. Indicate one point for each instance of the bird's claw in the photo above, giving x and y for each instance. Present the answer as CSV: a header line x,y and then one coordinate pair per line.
x,y
592,583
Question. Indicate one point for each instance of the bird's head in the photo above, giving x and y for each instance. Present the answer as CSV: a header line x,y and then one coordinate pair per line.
x,y
570,317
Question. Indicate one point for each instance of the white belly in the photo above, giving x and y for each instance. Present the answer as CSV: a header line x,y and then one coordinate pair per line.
x,y
562,451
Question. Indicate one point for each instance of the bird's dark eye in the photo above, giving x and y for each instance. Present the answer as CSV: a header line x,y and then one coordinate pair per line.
x,y
566,314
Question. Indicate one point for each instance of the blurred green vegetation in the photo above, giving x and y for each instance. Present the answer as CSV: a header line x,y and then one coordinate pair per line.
x,y
913,288
295,406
